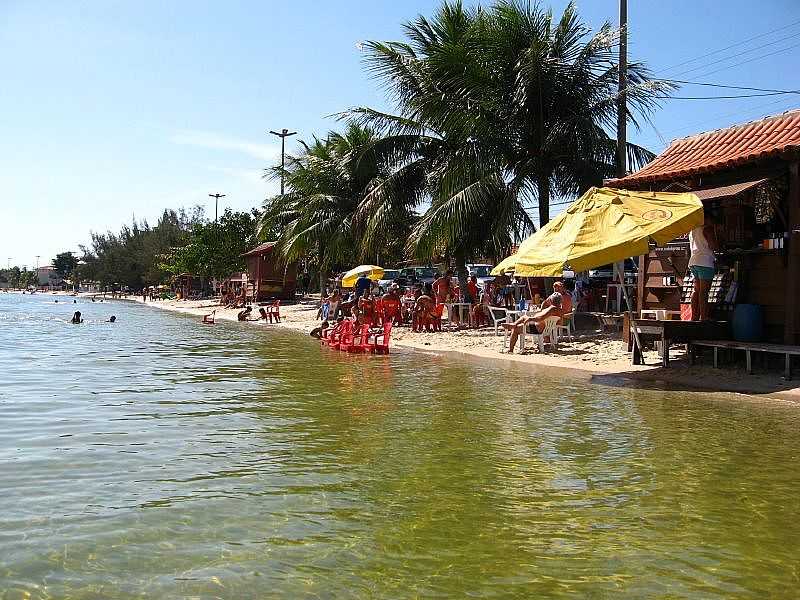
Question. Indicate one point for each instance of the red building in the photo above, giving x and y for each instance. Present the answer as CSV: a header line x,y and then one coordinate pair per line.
x,y
268,276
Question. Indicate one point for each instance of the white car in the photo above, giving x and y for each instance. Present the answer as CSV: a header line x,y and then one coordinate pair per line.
x,y
389,275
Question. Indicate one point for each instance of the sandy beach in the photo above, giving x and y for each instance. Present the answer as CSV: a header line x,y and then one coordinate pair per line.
x,y
590,355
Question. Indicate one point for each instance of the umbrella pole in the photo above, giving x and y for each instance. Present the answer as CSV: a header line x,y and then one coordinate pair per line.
x,y
621,275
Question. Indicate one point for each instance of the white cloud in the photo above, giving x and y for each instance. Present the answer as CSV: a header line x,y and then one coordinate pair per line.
x,y
203,139
252,176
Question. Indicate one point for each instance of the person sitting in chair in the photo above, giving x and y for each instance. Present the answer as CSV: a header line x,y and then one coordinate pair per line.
x,y
553,310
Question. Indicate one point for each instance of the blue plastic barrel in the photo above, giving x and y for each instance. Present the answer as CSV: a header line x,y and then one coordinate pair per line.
x,y
748,323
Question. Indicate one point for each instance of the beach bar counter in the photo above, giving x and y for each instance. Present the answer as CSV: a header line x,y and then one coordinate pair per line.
x,y
748,179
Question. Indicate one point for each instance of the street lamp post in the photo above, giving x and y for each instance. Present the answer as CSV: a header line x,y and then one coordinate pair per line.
x,y
216,198
283,135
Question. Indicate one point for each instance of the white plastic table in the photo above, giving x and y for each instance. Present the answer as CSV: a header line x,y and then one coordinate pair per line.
x,y
460,307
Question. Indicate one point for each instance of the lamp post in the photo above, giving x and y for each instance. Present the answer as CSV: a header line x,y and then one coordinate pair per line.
x,y
216,198
283,135
622,124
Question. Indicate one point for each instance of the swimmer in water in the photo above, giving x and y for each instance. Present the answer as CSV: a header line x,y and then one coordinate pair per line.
x,y
112,319
76,318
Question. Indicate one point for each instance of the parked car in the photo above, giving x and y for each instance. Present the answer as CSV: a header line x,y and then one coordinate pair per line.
x,y
482,272
389,276
413,275
606,272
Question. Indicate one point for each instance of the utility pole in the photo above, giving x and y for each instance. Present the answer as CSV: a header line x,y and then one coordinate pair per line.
x,y
622,133
216,198
283,135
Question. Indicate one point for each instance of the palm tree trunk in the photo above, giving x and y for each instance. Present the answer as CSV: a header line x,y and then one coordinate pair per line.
x,y
323,279
461,272
543,186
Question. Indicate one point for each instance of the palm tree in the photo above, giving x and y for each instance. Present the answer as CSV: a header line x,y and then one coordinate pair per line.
x,y
431,144
552,90
325,186
495,108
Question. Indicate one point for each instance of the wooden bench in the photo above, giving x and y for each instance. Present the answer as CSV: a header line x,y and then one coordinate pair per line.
x,y
749,348
671,331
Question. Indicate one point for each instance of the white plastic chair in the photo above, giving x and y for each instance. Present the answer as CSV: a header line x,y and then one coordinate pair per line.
x,y
498,317
566,326
550,331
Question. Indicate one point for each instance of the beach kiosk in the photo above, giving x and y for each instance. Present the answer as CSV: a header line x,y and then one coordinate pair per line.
x,y
747,179
268,276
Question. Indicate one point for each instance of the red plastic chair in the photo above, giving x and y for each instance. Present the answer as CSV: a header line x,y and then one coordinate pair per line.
x,y
382,347
326,334
345,336
392,311
274,311
358,341
342,329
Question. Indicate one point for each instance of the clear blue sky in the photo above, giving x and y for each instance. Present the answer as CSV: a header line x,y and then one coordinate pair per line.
x,y
113,108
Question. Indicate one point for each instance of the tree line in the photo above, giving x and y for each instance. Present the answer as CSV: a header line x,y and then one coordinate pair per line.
x,y
141,255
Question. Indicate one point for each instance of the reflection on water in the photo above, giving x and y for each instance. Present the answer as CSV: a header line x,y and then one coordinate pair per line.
x,y
159,458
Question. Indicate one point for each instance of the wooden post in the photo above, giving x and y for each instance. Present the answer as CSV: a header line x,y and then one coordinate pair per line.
x,y
640,282
793,266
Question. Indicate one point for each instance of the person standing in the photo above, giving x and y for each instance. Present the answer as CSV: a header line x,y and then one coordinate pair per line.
x,y
363,284
441,287
702,242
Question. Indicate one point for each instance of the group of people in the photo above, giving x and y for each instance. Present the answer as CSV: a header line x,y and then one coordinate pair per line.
x,y
418,304
77,318
230,299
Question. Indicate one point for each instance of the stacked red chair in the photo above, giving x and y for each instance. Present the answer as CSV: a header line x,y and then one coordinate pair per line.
x,y
274,311
391,310
380,340
357,343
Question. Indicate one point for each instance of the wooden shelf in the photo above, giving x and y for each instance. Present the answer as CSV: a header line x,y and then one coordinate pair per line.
x,y
745,251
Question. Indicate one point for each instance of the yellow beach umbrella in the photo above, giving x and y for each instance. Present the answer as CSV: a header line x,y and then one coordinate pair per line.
x,y
604,226
505,266
373,272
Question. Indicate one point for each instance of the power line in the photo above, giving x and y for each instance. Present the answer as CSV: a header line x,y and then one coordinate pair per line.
x,y
739,54
744,62
730,87
727,97
734,45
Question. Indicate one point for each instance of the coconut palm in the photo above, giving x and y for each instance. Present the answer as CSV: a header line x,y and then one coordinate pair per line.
x,y
431,143
325,185
552,90
496,108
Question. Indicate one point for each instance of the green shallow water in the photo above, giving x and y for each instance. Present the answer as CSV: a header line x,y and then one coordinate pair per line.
x,y
159,458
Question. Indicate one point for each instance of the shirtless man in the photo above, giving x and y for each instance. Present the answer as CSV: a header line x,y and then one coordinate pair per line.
x,y
423,309
441,287
366,308
566,298
552,310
